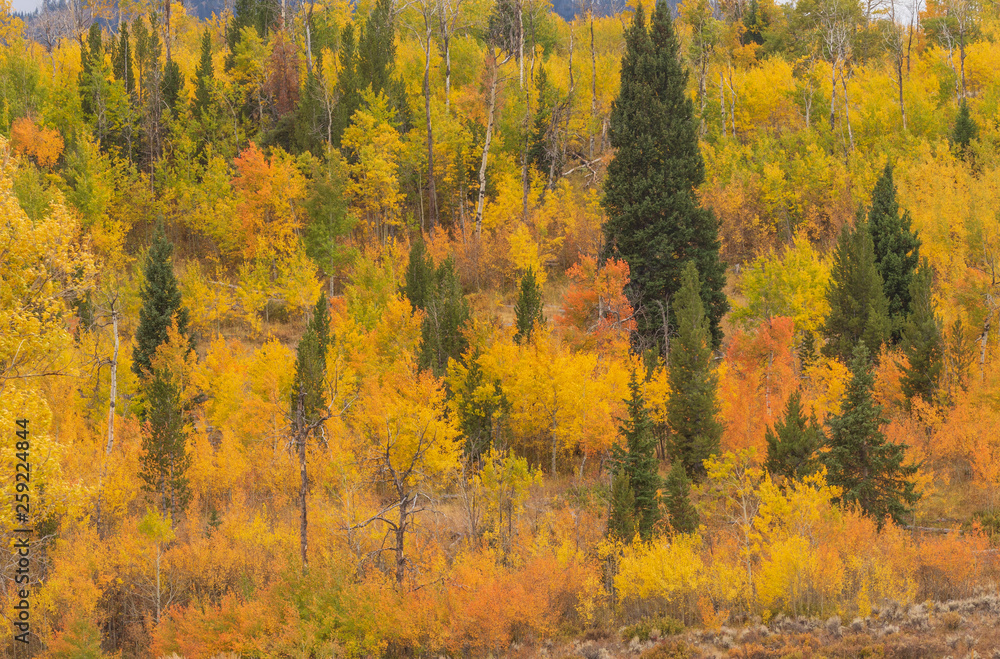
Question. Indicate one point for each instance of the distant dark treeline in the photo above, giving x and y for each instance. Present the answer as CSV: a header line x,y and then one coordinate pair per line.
x,y
205,9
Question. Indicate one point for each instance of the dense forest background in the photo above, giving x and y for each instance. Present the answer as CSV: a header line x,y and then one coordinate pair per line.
x,y
331,335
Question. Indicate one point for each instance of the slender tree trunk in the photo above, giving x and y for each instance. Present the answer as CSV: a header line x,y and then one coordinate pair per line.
x,y
722,102
520,43
899,78
702,74
732,102
400,539
113,393
833,95
909,45
431,190
847,110
961,59
167,27
593,85
571,39
309,54
303,486
525,182
494,83
157,583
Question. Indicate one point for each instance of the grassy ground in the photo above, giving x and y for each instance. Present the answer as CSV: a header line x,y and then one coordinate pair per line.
x,y
958,629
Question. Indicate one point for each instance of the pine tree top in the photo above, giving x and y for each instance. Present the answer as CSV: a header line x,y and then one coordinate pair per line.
x,y
966,129
528,308
161,301
861,460
896,246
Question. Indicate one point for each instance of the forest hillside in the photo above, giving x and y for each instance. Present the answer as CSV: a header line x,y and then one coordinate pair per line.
x,y
458,328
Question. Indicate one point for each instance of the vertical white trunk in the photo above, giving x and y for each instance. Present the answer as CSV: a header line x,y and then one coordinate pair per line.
x,y
113,395
486,143
847,111
520,43
722,102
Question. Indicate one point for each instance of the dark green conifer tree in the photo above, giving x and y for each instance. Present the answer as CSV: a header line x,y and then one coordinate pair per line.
x,y
895,246
121,60
540,152
655,222
959,355
859,310
91,56
528,308
447,313
922,342
171,85
308,402
860,460
439,294
479,416
142,63
793,443
257,14
329,222
203,77
419,281
308,393
164,460
677,498
161,303
637,460
964,131
621,517
368,60
754,22
692,407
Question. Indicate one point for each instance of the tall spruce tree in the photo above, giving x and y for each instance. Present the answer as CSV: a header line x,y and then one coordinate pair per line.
x,y
677,500
923,342
368,59
895,246
419,279
439,294
164,461
859,310
308,403
964,131
793,443
161,303
621,516
171,85
637,460
447,313
203,77
528,308
692,406
121,60
91,56
654,220
860,459
481,406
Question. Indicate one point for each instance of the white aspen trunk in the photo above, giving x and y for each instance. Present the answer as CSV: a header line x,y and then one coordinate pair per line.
x,y
520,43
847,111
113,394
833,95
722,102
494,81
